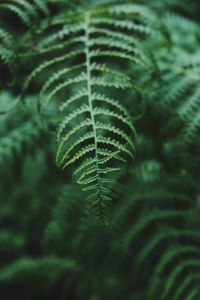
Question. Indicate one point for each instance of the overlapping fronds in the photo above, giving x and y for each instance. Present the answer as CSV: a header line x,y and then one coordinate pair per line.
x,y
97,70
180,85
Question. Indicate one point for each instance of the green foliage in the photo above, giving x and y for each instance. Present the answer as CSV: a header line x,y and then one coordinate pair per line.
x,y
95,130
109,91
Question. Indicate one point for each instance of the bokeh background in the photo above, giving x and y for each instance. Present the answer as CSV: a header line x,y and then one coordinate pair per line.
x,y
51,247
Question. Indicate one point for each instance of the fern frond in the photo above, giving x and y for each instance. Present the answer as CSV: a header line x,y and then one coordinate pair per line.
x,y
104,133
30,267
158,238
18,139
6,50
26,11
180,87
186,263
194,277
6,37
193,294
171,253
60,223
147,218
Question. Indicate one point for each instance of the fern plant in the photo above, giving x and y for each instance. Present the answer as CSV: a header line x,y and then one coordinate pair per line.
x,y
89,75
95,129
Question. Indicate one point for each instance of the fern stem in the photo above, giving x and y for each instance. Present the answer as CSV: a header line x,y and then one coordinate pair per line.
x,y
90,102
89,79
